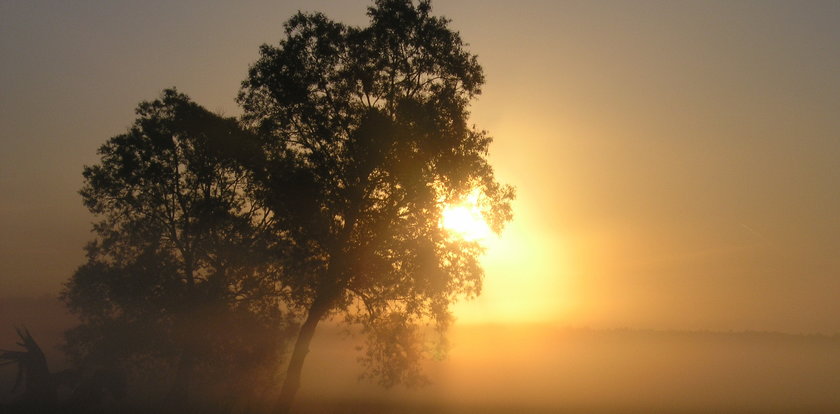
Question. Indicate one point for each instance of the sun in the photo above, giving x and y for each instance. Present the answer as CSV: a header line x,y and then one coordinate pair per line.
x,y
465,220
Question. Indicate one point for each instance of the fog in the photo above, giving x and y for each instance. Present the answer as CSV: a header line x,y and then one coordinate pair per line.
x,y
535,368
676,173
675,162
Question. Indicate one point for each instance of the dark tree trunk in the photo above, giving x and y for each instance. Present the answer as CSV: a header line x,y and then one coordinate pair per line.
x,y
291,383
178,395
324,300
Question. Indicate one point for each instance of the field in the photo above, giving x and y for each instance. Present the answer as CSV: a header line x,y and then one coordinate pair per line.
x,y
544,369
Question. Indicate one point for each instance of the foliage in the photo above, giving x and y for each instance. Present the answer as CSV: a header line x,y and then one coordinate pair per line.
x,y
325,199
366,138
179,269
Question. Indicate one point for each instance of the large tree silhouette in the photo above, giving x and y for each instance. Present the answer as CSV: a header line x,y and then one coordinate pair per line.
x,y
179,270
366,139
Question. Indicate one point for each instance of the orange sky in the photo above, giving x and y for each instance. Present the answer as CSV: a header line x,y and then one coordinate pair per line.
x,y
676,163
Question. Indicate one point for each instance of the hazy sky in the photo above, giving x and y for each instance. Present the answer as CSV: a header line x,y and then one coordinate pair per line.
x,y
677,163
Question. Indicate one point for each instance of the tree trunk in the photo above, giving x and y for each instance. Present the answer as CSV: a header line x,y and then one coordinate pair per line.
x,y
178,395
291,383
322,304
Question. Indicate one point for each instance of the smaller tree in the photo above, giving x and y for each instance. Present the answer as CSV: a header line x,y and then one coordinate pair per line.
x,y
179,270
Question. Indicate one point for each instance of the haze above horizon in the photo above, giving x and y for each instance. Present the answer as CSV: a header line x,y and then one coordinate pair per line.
x,y
675,163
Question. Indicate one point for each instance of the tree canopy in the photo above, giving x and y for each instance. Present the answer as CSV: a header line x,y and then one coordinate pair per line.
x,y
179,270
324,199
366,138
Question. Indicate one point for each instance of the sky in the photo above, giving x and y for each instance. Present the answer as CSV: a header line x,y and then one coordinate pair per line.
x,y
676,163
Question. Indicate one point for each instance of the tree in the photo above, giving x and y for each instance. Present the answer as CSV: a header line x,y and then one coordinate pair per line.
x,y
366,138
179,270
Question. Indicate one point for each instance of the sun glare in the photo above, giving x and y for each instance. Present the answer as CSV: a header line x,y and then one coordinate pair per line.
x,y
465,220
